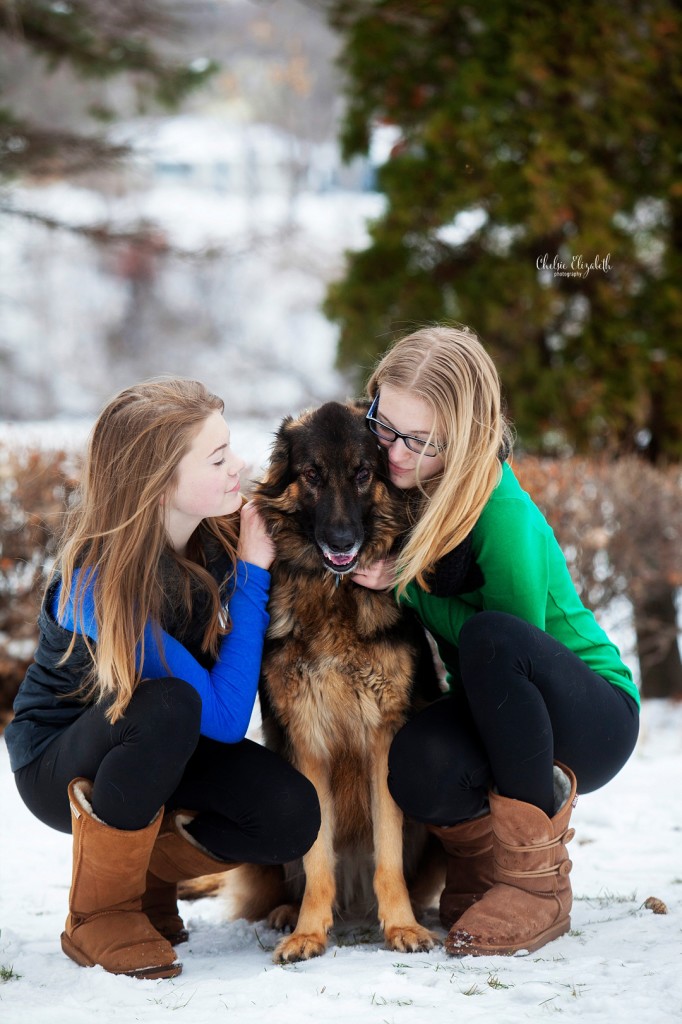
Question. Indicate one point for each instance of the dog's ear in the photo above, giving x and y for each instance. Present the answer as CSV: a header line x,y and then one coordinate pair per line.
x,y
359,405
278,475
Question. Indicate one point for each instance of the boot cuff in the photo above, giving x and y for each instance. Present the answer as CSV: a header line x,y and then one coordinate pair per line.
x,y
82,793
562,788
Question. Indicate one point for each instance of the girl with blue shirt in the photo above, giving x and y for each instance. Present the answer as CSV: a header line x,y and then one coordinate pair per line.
x,y
144,680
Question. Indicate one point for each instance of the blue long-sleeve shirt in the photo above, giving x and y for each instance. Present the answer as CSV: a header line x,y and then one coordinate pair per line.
x,y
228,689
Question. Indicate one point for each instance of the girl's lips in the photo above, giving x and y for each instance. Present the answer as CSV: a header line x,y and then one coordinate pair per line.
x,y
397,469
235,488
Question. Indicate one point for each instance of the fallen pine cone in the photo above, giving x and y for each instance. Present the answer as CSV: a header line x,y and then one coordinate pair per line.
x,y
658,906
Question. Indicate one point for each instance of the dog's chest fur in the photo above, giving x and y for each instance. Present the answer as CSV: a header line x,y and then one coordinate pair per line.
x,y
337,671
336,665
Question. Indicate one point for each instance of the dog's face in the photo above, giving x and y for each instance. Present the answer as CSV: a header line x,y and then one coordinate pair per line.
x,y
326,496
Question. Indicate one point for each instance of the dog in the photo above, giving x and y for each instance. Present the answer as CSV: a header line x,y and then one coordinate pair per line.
x,y
339,677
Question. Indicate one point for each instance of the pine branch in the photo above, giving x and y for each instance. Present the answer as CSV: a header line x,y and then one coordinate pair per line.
x,y
100,40
41,152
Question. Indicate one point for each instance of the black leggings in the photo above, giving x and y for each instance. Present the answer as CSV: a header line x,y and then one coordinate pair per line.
x,y
255,807
526,701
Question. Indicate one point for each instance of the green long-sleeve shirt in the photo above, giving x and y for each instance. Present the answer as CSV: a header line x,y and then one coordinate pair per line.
x,y
525,574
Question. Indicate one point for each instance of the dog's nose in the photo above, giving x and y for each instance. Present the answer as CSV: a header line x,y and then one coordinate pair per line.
x,y
341,538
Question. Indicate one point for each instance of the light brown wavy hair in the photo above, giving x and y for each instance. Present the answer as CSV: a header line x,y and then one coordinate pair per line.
x,y
450,371
116,528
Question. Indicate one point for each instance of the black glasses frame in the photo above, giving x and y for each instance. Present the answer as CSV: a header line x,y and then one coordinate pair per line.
x,y
417,445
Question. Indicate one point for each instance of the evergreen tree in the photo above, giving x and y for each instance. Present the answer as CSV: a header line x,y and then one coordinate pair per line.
x,y
557,127
98,40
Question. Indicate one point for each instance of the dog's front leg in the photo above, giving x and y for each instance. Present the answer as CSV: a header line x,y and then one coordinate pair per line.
x,y
317,909
401,930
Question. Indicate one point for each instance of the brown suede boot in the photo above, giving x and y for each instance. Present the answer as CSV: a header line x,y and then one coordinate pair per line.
x,y
106,925
160,904
176,857
469,871
530,902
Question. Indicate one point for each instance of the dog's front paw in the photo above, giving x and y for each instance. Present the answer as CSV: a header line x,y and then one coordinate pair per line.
x,y
410,938
299,947
284,917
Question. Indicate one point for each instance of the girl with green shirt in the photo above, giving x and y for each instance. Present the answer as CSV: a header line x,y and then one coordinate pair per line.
x,y
540,704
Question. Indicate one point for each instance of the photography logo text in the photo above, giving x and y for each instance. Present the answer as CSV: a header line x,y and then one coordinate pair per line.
x,y
579,265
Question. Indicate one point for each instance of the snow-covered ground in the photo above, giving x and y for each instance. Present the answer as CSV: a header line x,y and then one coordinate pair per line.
x,y
619,962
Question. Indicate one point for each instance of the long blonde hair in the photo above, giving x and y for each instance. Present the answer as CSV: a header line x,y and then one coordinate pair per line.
x,y
116,529
449,370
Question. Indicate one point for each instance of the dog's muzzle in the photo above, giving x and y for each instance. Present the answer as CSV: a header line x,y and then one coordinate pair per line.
x,y
340,562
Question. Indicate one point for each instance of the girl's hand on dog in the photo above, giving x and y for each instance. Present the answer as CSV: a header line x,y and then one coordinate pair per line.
x,y
378,576
255,545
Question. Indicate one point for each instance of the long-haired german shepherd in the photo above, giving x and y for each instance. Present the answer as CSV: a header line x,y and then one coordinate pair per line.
x,y
338,680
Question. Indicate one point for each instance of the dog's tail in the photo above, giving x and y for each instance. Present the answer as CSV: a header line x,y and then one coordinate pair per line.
x,y
197,888
250,891
253,891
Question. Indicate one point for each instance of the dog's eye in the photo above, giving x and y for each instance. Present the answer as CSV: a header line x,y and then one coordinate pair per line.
x,y
362,476
312,476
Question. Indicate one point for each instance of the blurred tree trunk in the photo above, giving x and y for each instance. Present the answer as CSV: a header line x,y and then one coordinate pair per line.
x,y
657,649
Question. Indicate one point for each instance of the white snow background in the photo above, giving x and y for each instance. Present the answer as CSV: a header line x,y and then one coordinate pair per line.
x,y
620,962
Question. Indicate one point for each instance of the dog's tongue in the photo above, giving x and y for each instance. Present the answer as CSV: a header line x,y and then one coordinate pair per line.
x,y
340,559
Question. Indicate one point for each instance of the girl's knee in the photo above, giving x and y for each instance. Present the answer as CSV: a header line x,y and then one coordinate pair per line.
x,y
438,772
169,709
308,816
489,637
293,822
489,625
419,767
408,777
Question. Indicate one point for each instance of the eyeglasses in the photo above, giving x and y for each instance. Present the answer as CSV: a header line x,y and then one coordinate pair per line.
x,y
387,435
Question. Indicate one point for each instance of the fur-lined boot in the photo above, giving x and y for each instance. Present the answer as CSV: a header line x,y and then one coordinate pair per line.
x,y
469,872
106,925
530,902
176,857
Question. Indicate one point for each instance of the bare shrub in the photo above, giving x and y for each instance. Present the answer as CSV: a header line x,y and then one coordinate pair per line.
x,y
620,527
34,487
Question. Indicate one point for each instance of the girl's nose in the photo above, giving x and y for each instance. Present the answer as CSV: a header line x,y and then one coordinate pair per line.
x,y
236,464
400,453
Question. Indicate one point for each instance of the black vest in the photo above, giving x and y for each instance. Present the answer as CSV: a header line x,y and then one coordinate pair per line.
x,y
45,704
